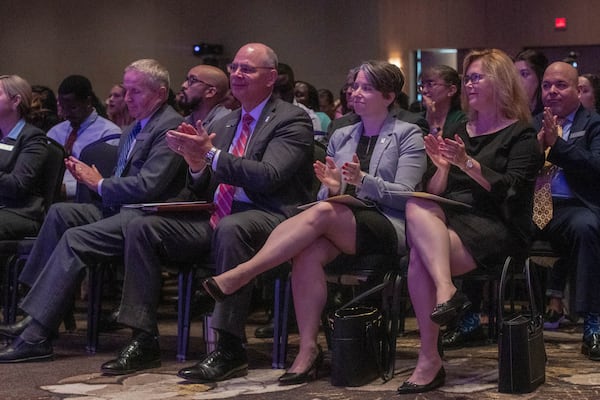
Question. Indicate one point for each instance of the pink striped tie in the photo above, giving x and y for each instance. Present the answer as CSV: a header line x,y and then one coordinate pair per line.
x,y
224,193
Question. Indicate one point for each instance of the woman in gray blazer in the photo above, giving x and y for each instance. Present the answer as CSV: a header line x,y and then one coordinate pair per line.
x,y
22,157
372,160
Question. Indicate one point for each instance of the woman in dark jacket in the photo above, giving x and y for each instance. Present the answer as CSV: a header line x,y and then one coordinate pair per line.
x,y
22,157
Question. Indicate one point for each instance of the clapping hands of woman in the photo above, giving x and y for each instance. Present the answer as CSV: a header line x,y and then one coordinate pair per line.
x,y
329,175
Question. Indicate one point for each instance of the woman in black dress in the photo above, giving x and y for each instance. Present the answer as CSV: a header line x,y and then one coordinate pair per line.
x,y
490,163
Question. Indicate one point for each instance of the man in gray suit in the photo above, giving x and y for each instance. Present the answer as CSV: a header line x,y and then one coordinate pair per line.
x,y
269,178
74,235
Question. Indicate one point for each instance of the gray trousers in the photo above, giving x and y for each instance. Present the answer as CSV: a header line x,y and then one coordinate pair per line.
x,y
72,237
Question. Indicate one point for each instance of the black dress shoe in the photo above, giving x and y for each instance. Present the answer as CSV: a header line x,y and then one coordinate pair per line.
x,y
217,366
213,289
456,338
591,346
293,378
14,330
451,310
21,351
411,388
143,352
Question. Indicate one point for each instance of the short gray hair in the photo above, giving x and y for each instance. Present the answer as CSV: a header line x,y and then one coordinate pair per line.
x,y
157,74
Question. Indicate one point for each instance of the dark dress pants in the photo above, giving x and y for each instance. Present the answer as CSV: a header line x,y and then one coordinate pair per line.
x,y
574,232
150,242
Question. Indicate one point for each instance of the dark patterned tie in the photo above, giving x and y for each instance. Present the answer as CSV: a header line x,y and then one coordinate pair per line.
x,y
126,148
224,193
71,140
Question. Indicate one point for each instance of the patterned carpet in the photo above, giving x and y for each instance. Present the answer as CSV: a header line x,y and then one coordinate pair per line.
x,y
471,374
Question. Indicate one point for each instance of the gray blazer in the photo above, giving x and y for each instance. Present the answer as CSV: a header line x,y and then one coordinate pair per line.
x,y
397,164
153,172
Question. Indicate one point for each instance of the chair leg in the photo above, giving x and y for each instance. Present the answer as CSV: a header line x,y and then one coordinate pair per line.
x,y
184,301
393,311
280,321
95,283
10,289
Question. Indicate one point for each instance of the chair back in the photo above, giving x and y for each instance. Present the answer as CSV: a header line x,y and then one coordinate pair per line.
x,y
54,170
103,155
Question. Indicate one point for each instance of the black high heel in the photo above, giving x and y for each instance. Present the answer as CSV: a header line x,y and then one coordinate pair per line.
x,y
452,309
296,378
411,388
211,287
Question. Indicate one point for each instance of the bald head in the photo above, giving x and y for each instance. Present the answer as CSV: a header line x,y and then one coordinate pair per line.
x,y
205,87
213,76
253,73
560,90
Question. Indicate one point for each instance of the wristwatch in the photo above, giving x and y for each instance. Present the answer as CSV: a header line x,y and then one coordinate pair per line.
x,y
469,163
208,157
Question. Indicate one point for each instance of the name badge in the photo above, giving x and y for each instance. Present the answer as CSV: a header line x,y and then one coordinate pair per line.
x,y
6,147
575,135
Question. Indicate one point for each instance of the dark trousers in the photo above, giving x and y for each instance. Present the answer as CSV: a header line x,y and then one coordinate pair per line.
x,y
574,232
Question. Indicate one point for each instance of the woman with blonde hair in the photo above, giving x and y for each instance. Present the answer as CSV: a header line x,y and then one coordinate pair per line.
x,y
489,163
22,156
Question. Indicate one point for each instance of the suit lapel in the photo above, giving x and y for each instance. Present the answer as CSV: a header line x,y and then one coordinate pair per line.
x,y
580,121
262,125
384,140
225,137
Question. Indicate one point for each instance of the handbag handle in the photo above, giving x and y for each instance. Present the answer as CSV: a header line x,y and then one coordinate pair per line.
x,y
502,286
365,294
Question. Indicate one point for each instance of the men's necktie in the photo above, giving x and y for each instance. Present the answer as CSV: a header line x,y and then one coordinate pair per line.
x,y
71,140
542,196
126,148
224,193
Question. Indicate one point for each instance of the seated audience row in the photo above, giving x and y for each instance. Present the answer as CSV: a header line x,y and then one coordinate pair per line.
x,y
256,165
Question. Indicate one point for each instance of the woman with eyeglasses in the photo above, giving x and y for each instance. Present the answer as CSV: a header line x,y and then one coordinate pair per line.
x,y
440,87
489,163
373,158
22,157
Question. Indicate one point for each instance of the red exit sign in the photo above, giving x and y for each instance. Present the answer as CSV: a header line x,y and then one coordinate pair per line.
x,y
560,23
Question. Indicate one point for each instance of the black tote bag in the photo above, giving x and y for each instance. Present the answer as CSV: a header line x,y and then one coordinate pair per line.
x,y
521,351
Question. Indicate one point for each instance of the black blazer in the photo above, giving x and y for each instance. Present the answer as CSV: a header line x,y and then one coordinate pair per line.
x,y
276,170
153,172
21,166
579,156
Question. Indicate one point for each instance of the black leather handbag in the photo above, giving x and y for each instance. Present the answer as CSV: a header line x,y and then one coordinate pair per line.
x,y
356,343
521,351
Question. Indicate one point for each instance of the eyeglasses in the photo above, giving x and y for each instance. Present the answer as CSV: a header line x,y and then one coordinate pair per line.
x,y
244,68
192,80
474,78
429,85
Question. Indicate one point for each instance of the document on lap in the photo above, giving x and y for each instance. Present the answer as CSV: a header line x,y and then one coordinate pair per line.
x,y
177,206
430,196
344,199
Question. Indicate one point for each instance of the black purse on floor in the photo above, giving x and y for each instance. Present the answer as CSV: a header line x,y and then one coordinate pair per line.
x,y
357,343
521,351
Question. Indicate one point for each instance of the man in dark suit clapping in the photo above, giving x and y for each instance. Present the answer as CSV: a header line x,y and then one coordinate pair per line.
x,y
570,135
259,157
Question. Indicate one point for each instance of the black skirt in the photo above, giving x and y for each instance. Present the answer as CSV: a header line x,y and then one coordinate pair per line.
x,y
374,232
